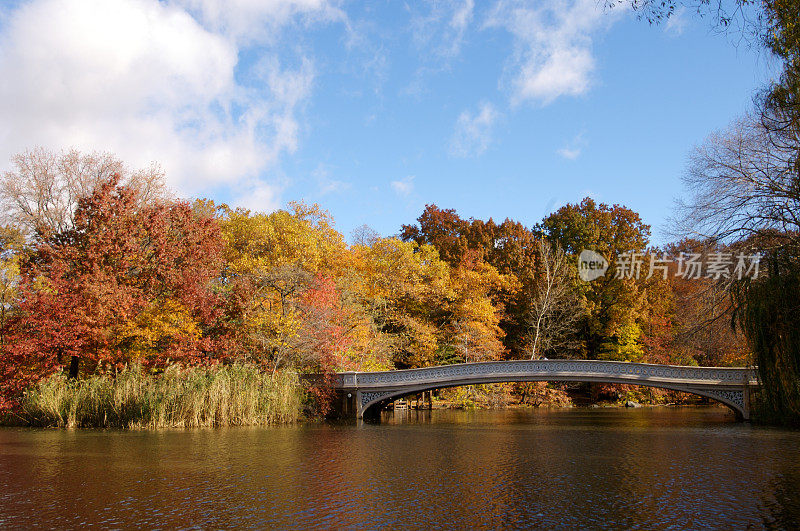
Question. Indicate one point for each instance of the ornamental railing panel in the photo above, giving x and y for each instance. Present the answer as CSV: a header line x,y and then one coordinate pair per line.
x,y
557,369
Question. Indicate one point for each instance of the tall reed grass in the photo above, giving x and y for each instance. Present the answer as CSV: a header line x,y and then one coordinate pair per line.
x,y
233,395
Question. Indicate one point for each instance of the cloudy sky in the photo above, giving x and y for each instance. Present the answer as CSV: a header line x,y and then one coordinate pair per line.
x,y
497,109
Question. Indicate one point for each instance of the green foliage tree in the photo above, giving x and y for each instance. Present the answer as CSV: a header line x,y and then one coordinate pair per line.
x,y
613,302
768,311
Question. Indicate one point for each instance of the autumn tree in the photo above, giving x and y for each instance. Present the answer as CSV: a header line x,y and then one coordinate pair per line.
x,y
302,235
443,229
508,247
405,287
474,329
11,249
272,320
659,316
288,277
703,309
613,302
270,261
324,336
126,281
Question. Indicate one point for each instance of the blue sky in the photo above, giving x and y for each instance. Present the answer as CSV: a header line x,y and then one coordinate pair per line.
x,y
497,109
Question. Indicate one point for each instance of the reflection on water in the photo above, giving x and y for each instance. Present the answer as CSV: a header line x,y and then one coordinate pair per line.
x,y
647,468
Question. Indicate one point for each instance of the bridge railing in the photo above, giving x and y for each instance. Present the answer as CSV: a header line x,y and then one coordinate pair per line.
x,y
556,369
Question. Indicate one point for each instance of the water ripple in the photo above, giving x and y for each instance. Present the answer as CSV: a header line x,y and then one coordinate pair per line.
x,y
640,469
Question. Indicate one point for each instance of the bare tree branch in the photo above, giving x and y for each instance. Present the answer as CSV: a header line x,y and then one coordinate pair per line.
x,y
555,309
40,193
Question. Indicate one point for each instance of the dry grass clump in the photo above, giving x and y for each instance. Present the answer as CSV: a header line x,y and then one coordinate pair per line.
x,y
234,395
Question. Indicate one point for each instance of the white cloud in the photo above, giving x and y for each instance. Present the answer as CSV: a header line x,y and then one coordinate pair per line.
x,y
258,197
257,20
553,46
473,132
677,22
574,148
440,31
327,185
147,81
403,187
331,186
569,153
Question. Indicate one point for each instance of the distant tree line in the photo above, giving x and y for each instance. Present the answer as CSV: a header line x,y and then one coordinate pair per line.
x,y
102,269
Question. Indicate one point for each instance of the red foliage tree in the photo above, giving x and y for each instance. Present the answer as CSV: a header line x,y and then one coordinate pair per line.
x,y
323,337
324,325
79,285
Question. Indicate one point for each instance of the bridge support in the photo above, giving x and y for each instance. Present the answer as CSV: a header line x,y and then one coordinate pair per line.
x,y
345,405
354,405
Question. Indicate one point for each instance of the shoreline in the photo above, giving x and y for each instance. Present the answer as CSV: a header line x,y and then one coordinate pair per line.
x,y
333,421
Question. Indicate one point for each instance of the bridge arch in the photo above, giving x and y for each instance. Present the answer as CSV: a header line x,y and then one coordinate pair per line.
x,y
730,386
371,402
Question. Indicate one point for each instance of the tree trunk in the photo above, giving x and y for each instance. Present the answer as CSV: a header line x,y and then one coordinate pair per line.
x,y
74,365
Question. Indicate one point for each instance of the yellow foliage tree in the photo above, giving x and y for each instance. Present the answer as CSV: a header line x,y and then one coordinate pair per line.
x,y
11,242
159,325
302,236
475,331
406,288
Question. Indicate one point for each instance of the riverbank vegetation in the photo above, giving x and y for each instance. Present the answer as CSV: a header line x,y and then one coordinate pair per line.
x,y
224,395
552,395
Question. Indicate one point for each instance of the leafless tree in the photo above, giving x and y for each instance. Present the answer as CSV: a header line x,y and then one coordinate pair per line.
x,y
743,196
40,193
555,308
364,235
743,182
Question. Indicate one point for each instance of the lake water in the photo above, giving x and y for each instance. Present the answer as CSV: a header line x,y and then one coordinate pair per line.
x,y
579,468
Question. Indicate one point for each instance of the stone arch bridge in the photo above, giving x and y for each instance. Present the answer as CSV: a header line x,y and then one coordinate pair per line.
x,y
364,393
